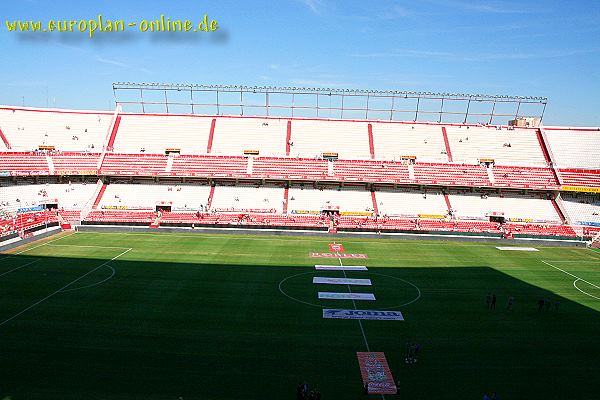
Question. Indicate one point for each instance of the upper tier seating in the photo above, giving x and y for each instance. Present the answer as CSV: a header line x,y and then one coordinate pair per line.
x,y
310,138
506,147
370,171
234,135
189,197
289,168
476,206
581,177
154,133
209,166
68,131
392,141
24,164
248,199
524,177
75,163
134,164
582,208
313,200
452,174
572,148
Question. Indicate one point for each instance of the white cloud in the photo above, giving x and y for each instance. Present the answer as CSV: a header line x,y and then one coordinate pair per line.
x,y
314,5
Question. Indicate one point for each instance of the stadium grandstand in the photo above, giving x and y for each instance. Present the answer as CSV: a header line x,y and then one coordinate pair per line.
x,y
347,168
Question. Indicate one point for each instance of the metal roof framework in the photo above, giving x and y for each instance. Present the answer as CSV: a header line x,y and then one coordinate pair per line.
x,y
349,103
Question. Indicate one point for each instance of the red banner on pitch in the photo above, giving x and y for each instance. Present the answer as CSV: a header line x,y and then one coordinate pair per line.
x,y
376,373
337,255
336,247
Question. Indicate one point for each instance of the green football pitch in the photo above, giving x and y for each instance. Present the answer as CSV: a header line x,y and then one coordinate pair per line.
x,y
192,316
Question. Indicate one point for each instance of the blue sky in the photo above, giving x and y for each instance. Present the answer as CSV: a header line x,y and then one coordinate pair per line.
x,y
540,48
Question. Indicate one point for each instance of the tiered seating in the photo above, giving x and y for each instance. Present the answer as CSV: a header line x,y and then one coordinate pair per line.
x,y
252,199
581,177
506,147
209,166
451,174
23,164
536,229
75,163
351,222
394,140
27,129
138,164
142,196
370,171
70,216
582,208
298,221
289,168
308,200
155,133
310,138
524,177
145,217
25,221
476,206
575,148
234,135
410,203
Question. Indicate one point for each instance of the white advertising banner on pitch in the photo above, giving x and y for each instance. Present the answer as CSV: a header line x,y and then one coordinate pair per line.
x,y
517,248
384,315
341,267
342,281
346,296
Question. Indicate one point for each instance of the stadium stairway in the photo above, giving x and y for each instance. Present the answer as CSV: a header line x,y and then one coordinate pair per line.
x,y
99,196
156,223
371,145
548,155
374,200
211,135
447,144
5,140
286,196
447,199
211,195
559,209
113,133
288,138
50,164
490,174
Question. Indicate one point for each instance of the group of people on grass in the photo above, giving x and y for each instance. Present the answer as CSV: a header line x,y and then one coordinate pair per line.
x,y
303,392
543,303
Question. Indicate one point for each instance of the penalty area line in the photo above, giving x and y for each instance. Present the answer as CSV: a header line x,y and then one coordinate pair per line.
x,y
64,287
573,275
35,247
